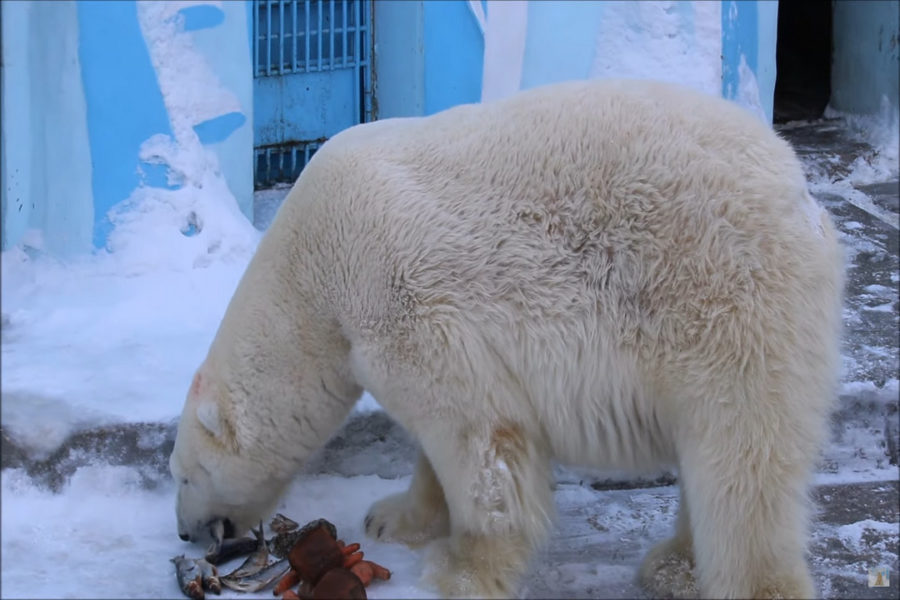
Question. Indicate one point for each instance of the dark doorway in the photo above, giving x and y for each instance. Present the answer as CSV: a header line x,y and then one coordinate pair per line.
x,y
803,59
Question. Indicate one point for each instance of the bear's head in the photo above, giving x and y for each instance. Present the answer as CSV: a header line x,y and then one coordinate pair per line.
x,y
221,484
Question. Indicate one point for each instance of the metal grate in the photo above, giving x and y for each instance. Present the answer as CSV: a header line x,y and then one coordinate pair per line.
x,y
294,36
311,60
283,163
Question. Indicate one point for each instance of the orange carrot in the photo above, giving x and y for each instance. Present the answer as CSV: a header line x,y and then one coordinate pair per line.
x,y
352,559
367,570
287,582
349,549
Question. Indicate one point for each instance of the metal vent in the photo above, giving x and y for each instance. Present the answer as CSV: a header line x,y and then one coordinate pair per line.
x,y
283,163
312,74
308,36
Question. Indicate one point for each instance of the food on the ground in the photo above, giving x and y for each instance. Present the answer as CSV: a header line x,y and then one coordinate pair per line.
x,y
222,552
316,552
190,578
259,580
210,576
257,561
311,557
281,544
367,570
338,583
281,524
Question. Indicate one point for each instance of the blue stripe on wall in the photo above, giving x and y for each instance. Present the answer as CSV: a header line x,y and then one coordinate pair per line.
x,y
201,17
120,117
454,51
740,31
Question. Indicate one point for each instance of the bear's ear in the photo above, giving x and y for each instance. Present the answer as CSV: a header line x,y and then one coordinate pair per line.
x,y
208,415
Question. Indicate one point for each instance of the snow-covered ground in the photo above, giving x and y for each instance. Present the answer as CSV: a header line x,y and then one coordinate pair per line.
x,y
113,339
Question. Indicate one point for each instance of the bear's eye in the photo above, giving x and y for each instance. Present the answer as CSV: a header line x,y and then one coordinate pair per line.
x,y
184,481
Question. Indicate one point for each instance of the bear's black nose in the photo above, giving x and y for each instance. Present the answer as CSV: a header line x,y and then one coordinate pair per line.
x,y
184,537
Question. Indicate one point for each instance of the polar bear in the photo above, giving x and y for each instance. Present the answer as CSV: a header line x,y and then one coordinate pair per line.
x,y
616,274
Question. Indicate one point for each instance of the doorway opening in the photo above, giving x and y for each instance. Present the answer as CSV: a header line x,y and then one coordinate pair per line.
x,y
803,60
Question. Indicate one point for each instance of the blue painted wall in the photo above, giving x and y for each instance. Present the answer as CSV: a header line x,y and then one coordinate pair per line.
x,y
448,58
740,26
749,30
46,170
80,97
767,22
124,103
866,56
429,56
399,58
454,50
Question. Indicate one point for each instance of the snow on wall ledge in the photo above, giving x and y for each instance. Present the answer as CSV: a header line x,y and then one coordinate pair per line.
x,y
195,209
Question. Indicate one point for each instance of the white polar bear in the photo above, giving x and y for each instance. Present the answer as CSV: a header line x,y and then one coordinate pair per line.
x,y
613,274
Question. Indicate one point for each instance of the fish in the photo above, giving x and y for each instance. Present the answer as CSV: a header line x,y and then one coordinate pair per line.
x,y
210,576
256,562
282,524
190,577
225,550
259,580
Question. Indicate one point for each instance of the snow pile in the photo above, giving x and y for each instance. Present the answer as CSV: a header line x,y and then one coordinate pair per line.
x,y
878,138
881,131
185,227
196,218
104,338
115,336
857,536
54,547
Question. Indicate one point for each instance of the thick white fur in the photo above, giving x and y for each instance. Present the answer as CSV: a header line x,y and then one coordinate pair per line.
x,y
619,274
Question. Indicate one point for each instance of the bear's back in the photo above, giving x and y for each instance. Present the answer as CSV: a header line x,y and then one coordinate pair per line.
x,y
637,212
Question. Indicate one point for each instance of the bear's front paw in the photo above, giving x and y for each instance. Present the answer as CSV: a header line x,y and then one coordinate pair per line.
x,y
397,518
668,570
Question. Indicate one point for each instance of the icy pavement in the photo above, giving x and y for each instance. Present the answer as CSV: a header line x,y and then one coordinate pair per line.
x,y
88,506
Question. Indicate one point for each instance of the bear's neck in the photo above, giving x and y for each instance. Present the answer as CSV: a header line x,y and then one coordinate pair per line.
x,y
283,359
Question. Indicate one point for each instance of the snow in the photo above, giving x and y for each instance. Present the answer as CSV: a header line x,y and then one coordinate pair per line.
x,y
117,539
852,535
880,161
881,132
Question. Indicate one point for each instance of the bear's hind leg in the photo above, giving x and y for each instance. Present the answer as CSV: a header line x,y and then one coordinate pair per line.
x,y
415,516
748,510
497,485
668,569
